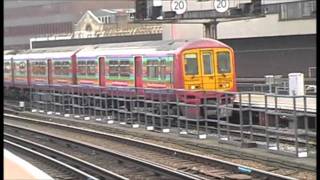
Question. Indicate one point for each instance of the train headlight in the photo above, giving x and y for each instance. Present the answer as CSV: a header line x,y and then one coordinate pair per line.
x,y
193,87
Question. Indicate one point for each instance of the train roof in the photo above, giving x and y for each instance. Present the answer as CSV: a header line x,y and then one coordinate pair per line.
x,y
46,53
147,47
127,48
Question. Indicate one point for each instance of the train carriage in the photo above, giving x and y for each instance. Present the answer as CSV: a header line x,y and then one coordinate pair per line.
x,y
21,70
8,70
199,68
191,65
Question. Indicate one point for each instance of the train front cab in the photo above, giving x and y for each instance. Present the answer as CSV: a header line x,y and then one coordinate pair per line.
x,y
207,74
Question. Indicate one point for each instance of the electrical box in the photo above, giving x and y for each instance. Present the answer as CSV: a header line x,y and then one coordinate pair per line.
x,y
296,84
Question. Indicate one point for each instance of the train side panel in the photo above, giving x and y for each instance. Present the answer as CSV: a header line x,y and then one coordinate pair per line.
x,y
157,71
39,71
87,71
21,72
62,71
120,71
8,71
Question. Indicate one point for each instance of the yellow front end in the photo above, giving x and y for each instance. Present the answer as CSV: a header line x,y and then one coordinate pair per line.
x,y
208,69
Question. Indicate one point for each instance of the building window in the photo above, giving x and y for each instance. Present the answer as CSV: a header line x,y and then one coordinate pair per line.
x,y
88,27
297,10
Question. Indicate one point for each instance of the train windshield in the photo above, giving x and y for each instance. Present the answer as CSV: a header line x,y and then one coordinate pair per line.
x,y
207,63
224,65
191,64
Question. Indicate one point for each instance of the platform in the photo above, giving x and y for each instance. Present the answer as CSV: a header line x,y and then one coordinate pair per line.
x,y
283,102
17,168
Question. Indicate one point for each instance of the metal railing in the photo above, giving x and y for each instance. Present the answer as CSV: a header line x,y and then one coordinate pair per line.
x,y
278,123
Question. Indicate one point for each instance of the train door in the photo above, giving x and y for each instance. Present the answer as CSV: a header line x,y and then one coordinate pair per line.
x,y
28,72
102,78
12,70
192,71
49,71
207,69
138,71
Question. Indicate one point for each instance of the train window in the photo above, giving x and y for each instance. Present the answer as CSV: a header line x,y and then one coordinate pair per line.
x,y
82,68
7,67
191,64
207,63
114,68
158,68
61,68
92,68
224,65
153,68
39,68
163,69
21,68
124,68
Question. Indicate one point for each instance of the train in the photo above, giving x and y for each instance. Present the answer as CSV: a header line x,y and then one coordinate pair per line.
x,y
197,66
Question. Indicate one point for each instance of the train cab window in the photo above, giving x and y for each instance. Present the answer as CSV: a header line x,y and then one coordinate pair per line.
x,y
224,64
92,68
191,64
207,63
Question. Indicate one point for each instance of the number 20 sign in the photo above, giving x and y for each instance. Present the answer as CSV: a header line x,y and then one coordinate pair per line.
x,y
221,5
179,6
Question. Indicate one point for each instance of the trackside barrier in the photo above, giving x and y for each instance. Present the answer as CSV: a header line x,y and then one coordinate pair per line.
x,y
279,123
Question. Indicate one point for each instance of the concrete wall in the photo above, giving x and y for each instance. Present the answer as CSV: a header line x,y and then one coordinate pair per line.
x,y
194,5
257,57
258,27
182,31
265,26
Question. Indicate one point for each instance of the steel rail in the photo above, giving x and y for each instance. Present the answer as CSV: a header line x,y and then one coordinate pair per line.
x,y
80,174
228,165
159,169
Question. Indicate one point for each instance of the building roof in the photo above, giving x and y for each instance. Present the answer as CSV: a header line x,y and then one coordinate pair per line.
x,y
103,12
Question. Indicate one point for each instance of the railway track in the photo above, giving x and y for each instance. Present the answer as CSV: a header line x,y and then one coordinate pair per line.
x,y
55,167
258,135
92,158
200,166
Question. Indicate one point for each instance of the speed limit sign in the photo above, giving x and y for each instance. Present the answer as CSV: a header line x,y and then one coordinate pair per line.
x,y
221,5
179,6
